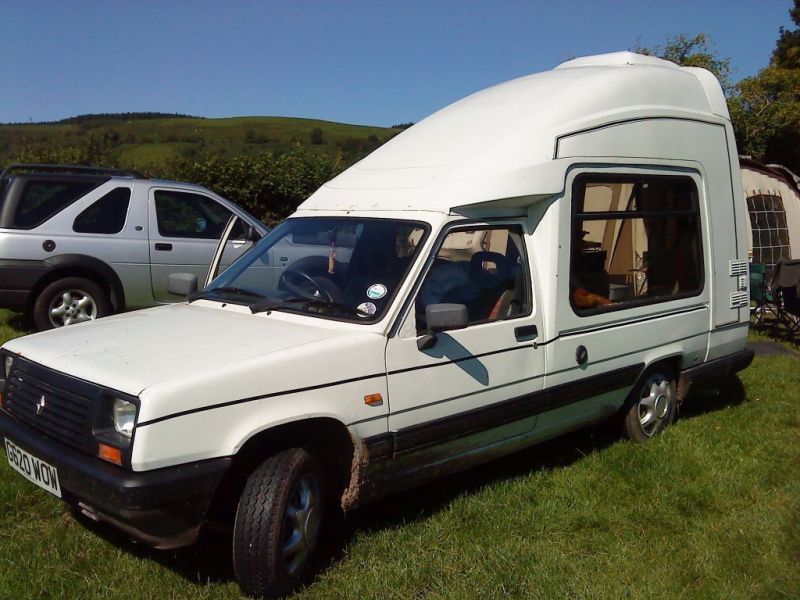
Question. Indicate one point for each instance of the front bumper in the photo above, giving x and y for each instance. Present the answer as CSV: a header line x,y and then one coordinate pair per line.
x,y
163,508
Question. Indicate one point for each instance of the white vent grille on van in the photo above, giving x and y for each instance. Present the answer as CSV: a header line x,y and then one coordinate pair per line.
x,y
738,267
740,299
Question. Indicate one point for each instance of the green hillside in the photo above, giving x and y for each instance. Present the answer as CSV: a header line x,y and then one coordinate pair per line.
x,y
141,143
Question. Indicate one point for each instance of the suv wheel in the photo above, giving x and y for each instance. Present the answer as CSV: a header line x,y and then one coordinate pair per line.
x,y
69,300
277,528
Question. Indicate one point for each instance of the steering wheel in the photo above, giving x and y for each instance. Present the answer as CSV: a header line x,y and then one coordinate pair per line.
x,y
303,284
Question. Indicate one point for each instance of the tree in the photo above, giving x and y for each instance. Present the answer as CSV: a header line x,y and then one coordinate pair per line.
x,y
787,50
766,109
268,186
693,51
316,136
766,116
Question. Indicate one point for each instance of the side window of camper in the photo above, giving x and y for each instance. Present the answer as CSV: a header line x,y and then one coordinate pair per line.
x,y
484,269
635,240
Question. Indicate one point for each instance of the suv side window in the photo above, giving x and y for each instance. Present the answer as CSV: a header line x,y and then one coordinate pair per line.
x,y
187,215
484,269
635,240
106,215
41,200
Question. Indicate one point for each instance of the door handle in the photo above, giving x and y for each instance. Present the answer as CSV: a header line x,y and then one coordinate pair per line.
x,y
526,332
164,247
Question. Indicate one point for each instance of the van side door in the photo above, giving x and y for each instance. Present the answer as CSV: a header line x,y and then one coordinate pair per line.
x,y
472,388
633,285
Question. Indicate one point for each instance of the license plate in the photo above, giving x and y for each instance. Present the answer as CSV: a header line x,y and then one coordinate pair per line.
x,y
33,469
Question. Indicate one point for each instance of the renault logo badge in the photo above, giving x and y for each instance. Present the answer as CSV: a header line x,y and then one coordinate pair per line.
x,y
40,405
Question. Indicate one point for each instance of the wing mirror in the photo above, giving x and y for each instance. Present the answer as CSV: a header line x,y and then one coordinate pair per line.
x,y
182,284
251,234
441,317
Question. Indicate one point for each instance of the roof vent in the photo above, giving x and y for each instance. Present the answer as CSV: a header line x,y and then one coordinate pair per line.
x,y
617,59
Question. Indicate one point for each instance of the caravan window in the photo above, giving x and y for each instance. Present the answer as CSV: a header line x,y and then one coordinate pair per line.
x,y
770,231
635,240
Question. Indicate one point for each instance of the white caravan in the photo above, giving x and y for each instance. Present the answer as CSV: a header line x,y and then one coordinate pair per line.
x,y
548,253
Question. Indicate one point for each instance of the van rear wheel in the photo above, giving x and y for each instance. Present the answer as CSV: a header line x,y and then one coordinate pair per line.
x,y
277,528
652,405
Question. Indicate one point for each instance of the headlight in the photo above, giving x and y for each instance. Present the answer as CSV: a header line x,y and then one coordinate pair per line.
x,y
9,360
124,416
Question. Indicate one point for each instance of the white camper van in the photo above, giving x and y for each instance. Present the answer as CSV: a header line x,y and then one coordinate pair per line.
x,y
548,253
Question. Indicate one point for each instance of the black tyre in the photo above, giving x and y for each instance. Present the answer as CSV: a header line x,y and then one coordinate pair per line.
x,y
652,405
70,300
277,528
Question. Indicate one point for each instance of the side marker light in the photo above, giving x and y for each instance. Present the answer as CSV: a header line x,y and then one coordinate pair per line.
x,y
373,400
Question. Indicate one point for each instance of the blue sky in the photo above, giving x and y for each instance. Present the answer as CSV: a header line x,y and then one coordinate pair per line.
x,y
369,62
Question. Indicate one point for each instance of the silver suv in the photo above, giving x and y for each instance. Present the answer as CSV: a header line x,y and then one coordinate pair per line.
x,y
79,243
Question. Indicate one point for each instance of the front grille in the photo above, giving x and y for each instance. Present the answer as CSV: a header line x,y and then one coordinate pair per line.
x,y
66,413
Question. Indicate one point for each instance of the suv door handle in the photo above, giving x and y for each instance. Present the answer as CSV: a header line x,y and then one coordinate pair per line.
x,y
164,247
525,332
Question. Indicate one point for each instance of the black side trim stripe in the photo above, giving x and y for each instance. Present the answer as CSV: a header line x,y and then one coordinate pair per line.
x,y
254,398
442,430
450,399
719,367
632,321
734,325
462,359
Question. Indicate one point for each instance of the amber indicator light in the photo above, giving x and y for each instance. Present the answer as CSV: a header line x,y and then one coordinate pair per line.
x,y
373,400
110,454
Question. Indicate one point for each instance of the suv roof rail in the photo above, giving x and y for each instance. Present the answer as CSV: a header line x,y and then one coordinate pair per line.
x,y
70,168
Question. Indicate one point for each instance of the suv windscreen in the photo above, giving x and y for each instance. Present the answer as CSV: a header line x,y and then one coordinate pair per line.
x,y
353,275
41,200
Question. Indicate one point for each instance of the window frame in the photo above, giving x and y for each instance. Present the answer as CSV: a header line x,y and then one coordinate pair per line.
x,y
409,311
18,202
100,199
578,194
164,235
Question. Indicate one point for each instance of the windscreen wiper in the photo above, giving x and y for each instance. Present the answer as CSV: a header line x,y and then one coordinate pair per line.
x,y
339,306
229,290
304,303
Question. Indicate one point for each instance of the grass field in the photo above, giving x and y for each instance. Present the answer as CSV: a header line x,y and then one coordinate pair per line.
x,y
711,509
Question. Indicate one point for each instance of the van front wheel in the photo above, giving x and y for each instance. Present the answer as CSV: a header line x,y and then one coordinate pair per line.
x,y
652,405
277,528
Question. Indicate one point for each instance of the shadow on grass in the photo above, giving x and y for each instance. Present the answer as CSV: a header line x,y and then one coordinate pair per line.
x,y
210,561
16,321
782,331
727,392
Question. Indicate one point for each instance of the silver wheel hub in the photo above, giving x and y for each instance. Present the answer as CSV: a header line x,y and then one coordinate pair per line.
x,y
72,306
655,404
301,522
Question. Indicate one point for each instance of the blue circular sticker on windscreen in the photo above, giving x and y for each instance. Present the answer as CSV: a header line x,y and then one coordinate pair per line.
x,y
376,291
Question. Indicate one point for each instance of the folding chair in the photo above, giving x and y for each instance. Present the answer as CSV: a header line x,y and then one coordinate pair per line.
x,y
762,301
785,285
